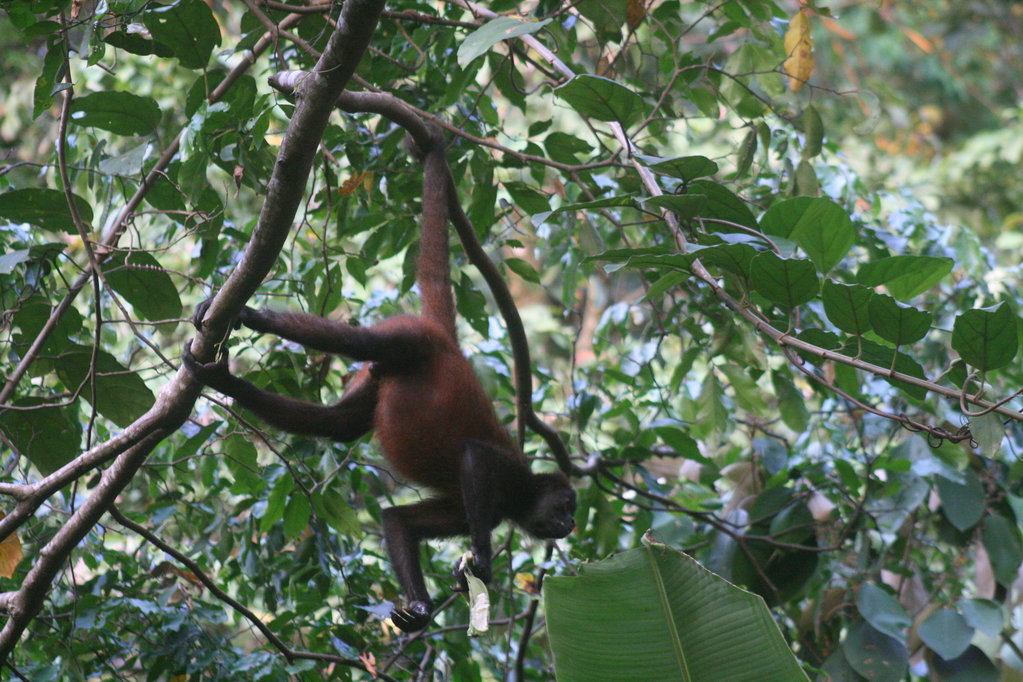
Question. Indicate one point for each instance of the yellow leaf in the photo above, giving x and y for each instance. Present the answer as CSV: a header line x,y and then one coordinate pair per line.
x,y
10,553
352,183
799,48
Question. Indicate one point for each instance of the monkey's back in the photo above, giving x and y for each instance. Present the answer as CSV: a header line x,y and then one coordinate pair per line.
x,y
427,411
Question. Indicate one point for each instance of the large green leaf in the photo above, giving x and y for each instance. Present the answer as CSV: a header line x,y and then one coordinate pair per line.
x,y
602,99
820,226
905,276
142,281
653,613
947,633
785,281
686,168
45,208
882,610
846,305
121,395
1002,542
986,338
188,28
874,655
119,112
896,322
723,207
49,437
606,202
962,503
491,33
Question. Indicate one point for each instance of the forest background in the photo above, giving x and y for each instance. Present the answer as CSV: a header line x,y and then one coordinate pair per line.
x,y
766,255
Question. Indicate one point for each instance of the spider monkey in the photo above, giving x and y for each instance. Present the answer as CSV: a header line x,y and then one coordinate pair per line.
x,y
420,396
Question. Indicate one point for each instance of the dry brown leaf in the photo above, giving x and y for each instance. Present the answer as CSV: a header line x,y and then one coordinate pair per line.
x,y
635,12
10,553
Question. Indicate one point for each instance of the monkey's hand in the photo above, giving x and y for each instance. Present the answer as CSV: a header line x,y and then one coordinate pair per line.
x,y
200,313
413,617
216,375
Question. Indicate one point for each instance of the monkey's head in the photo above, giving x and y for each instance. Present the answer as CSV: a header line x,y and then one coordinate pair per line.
x,y
552,511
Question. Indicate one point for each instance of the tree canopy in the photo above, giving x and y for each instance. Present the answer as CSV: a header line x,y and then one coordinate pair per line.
x,y
748,274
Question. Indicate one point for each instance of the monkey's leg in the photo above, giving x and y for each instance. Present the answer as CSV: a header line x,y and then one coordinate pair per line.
x,y
346,420
404,528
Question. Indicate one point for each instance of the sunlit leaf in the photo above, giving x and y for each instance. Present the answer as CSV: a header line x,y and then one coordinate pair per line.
x,y
986,338
785,281
905,276
494,31
896,322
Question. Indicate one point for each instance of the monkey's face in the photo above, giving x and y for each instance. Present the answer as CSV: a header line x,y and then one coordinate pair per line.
x,y
553,512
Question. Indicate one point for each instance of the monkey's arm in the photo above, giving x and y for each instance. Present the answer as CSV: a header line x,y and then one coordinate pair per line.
x,y
404,528
483,475
346,420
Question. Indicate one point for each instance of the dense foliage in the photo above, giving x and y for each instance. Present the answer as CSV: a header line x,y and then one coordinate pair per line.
x,y
774,321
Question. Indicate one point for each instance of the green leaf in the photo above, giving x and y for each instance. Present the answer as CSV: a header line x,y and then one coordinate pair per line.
x,y
882,610
874,655
606,202
276,501
785,281
121,395
971,666
821,227
791,404
187,27
527,198
565,148
846,305
723,205
330,505
523,269
1002,542
656,605
602,99
947,633
963,503
119,112
747,151
986,337
884,356
988,431
296,515
686,168
905,276
983,614
45,208
240,458
142,281
813,128
49,437
896,322
685,206
491,33
748,395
